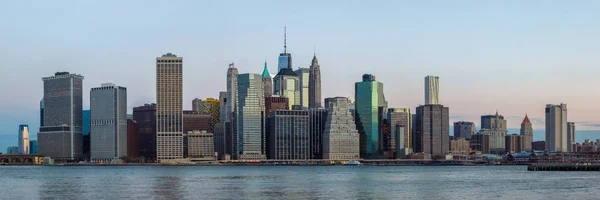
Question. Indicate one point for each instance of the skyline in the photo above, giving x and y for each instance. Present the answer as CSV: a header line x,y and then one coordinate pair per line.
x,y
516,64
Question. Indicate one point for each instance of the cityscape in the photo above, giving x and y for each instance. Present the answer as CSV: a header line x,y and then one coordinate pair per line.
x,y
261,116
339,99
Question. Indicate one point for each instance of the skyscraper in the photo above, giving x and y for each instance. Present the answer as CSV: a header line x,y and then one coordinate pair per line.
x,y
317,119
133,139
432,90
340,137
289,135
267,82
285,58
222,107
24,139
527,133
314,84
464,129
231,103
556,128
303,75
86,133
145,116
60,137
495,127
108,109
169,116
370,101
570,136
287,84
432,130
399,117
250,131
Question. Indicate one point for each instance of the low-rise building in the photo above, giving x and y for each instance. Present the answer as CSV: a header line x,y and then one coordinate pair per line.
x,y
200,145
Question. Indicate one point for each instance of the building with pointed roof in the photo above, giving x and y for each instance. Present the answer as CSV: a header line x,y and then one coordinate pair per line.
x,y
267,82
314,84
527,132
287,83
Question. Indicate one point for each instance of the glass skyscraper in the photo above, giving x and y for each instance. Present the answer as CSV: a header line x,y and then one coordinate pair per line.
x,y
250,131
370,104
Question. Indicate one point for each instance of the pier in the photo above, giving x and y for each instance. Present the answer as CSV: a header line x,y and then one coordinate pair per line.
x,y
564,167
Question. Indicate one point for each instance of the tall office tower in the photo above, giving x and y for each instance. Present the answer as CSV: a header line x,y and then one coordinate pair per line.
x,y
169,116
369,102
314,84
527,132
272,103
250,128
222,107
464,129
210,107
285,58
570,136
340,137
24,147
108,109
317,118
60,137
41,112
289,135
432,90
145,116
33,147
495,127
287,84
556,128
432,130
267,82
230,124
133,139
402,117
303,75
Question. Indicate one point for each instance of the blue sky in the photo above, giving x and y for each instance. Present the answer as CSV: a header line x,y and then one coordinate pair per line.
x,y
514,56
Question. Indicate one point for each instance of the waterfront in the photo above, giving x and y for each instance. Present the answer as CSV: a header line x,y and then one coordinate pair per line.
x,y
300,182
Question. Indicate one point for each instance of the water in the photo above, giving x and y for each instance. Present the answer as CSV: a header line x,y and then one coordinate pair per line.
x,y
294,182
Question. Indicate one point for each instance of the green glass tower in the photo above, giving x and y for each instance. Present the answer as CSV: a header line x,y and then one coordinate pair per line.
x,y
370,106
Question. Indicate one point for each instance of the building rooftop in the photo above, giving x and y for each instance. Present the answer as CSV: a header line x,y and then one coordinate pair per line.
x,y
526,120
286,72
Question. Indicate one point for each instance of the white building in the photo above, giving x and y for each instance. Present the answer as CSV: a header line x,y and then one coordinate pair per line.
x,y
432,90
340,138
556,128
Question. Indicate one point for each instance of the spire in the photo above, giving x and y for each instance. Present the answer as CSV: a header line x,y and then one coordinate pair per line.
x,y
284,39
526,120
265,73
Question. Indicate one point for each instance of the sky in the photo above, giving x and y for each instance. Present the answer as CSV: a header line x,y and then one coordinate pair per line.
x,y
510,56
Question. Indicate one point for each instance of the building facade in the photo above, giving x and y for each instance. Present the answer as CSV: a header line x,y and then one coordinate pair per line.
x,y
432,131
33,147
200,145
464,129
61,136
460,147
304,75
133,139
210,107
370,102
317,119
556,128
514,143
145,116
570,136
289,137
432,90
314,84
108,122
481,143
193,120
495,127
24,147
250,128
340,137
527,133
267,81
287,84
401,117
169,107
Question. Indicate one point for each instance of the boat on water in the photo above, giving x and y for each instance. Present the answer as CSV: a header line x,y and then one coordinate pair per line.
x,y
354,163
